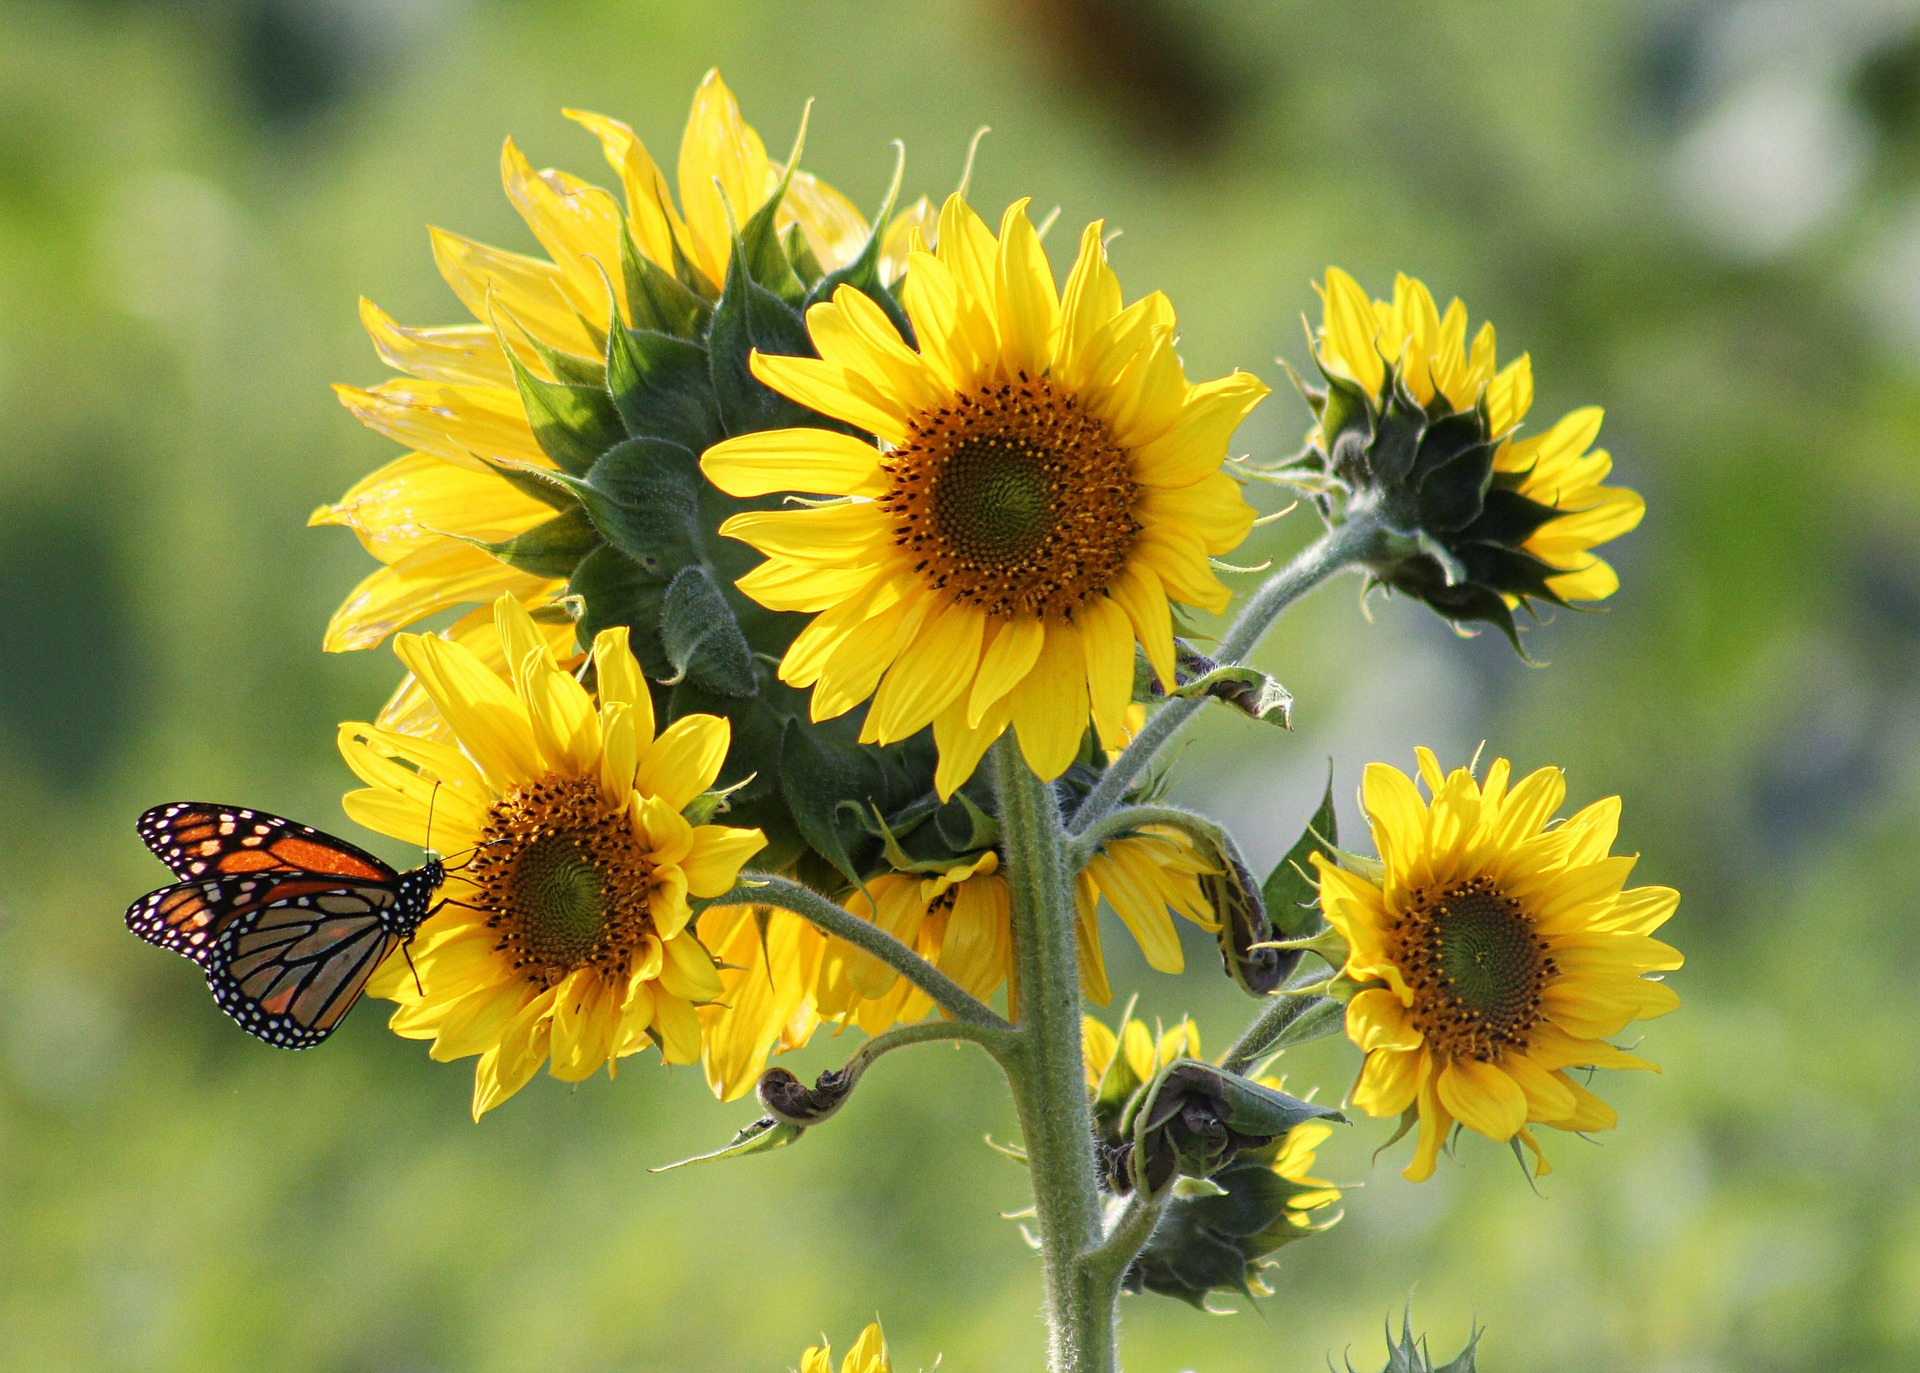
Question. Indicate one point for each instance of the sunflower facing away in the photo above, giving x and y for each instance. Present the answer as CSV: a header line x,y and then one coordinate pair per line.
x,y
782,978
1497,951
961,921
458,406
1046,483
1505,517
565,935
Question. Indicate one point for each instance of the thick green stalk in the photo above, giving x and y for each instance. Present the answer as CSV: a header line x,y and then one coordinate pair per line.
x,y
1338,548
1049,1079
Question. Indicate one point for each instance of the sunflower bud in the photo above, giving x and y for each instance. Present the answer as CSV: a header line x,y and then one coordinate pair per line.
x,y
1418,434
1194,1119
1220,1242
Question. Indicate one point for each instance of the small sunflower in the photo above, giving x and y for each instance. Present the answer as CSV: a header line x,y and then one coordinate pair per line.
x,y
1496,952
1424,425
960,918
442,518
1046,483
565,936
868,1355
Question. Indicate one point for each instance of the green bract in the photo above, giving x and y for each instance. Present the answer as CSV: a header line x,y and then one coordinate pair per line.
x,y
1451,525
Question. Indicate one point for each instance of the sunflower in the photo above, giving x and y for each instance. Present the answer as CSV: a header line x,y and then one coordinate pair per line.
x,y
565,936
960,919
441,519
1496,951
1046,483
1425,424
868,1355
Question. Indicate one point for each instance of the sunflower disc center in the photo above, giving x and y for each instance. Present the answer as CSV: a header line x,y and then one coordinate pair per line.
x,y
562,881
1014,499
1477,968
992,501
561,899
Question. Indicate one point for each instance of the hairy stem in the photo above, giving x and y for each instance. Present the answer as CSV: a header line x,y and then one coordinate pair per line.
x,y
1338,548
764,889
1049,1079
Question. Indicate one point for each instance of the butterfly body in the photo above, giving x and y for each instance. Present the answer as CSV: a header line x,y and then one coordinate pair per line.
x,y
287,922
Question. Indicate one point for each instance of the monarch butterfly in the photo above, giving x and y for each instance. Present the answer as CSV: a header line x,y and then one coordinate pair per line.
x,y
287,923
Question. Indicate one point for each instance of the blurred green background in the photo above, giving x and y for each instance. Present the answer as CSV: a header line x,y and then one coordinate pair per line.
x,y
1704,215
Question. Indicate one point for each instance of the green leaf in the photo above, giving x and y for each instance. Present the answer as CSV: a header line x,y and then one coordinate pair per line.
x,y
644,495
759,247
618,591
1291,892
702,639
573,424
656,298
663,387
553,549
1246,689
762,1136
818,773
749,316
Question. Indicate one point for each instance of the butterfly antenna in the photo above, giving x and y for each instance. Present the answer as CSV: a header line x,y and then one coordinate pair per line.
x,y
432,797
406,952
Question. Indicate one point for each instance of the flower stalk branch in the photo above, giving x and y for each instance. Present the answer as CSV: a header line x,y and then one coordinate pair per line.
x,y
1340,547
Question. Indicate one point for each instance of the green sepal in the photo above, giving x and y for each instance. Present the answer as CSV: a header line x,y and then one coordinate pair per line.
x,y
863,273
762,1136
644,494
574,425
552,549
656,298
662,387
800,253
1291,892
757,244
568,368
826,783
1216,1243
1409,1354
542,483
750,317
702,639
616,590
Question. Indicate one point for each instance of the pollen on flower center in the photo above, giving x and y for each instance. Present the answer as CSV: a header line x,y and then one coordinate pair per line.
x,y
1477,968
1013,498
562,880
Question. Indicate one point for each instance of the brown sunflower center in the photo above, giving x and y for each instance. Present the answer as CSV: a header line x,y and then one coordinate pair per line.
x,y
1477,969
562,880
1014,499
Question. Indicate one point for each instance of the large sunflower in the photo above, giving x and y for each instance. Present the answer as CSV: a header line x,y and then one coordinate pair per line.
x,y
426,516
565,934
1433,432
1497,951
1046,483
